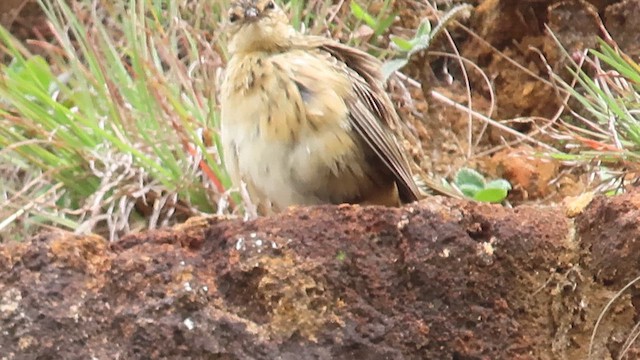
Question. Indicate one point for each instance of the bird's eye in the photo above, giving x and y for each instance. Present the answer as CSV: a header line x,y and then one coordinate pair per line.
x,y
270,5
233,17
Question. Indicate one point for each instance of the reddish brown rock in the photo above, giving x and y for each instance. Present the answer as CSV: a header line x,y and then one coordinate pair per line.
x,y
622,22
9,10
442,279
529,173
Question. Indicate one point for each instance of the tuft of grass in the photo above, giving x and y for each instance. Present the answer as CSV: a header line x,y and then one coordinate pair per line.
x,y
604,125
314,17
379,23
118,118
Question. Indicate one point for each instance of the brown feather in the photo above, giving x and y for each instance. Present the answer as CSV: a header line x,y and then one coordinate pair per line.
x,y
371,110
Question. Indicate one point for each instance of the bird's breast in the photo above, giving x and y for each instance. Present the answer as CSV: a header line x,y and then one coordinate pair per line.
x,y
260,99
293,139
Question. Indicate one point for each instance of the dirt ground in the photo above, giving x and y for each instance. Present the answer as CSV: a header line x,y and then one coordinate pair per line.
x,y
515,52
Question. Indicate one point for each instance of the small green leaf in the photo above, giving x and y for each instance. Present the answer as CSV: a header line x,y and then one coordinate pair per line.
x,y
392,66
402,44
470,177
420,43
357,10
361,14
498,184
563,156
40,71
341,256
384,24
491,195
33,72
423,29
469,190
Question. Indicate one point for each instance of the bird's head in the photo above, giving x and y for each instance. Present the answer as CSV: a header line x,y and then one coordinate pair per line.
x,y
257,25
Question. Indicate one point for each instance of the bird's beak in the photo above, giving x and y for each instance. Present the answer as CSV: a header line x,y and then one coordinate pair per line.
x,y
251,13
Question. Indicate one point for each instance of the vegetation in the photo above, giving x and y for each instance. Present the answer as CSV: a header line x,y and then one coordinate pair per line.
x,y
603,121
108,124
474,186
114,127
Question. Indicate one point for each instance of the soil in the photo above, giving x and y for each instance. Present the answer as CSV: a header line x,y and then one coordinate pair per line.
x,y
439,279
508,32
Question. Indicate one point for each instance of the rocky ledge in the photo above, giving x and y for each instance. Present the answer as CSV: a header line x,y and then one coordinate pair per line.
x,y
439,279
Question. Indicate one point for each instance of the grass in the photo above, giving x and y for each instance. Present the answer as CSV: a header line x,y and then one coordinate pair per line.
x,y
602,121
122,124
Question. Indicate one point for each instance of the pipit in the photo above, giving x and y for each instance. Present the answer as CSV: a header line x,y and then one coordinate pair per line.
x,y
305,119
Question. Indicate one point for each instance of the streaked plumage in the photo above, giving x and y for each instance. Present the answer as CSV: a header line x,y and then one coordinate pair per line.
x,y
305,119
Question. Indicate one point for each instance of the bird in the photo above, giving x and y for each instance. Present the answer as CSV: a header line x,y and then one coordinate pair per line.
x,y
305,119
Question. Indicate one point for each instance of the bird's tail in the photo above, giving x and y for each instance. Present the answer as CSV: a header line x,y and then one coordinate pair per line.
x,y
429,186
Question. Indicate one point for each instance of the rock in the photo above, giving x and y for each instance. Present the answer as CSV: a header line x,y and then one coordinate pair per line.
x,y
623,22
23,18
440,279
9,11
529,173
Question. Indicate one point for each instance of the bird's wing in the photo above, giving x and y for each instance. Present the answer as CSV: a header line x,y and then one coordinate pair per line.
x,y
332,83
371,111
